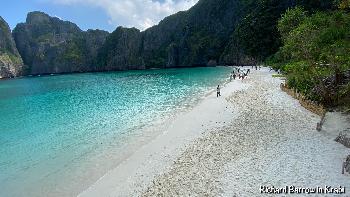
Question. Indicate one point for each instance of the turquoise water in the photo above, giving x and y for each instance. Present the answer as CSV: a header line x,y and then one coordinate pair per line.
x,y
59,134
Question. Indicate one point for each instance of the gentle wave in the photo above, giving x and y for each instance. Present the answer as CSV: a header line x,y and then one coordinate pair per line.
x,y
58,134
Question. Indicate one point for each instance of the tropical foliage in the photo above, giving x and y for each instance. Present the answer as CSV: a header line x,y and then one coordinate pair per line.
x,y
315,53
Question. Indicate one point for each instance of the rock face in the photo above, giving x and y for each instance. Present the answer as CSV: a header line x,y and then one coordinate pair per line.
x,y
50,45
11,64
121,50
344,138
194,37
197,37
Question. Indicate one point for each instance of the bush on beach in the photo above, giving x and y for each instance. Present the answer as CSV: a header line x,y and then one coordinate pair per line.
x,y
315,54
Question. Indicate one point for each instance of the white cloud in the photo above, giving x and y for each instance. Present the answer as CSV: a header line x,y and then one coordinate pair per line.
x,y
135,13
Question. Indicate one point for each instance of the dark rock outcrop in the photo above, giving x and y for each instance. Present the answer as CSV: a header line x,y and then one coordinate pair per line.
x,y
93,41
50,45
194,37
344,138
234,54
197,37
11,64
122,50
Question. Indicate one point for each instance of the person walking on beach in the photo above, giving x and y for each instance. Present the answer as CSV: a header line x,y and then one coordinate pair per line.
x,y
218,91
241,75
246,74
234,76
231,77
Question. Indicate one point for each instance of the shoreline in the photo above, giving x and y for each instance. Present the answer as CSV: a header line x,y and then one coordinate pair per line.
x,y
231,142
102,138
102,71
130,174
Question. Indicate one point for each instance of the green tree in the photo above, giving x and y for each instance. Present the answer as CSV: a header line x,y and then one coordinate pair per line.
x,y
290,20
257,33
315,49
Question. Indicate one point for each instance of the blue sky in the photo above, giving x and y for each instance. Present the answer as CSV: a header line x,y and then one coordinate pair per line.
x,y
97,14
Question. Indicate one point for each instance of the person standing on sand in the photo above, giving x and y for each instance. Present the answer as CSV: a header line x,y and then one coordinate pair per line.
x,y
231,77
246,74
234,76
218,91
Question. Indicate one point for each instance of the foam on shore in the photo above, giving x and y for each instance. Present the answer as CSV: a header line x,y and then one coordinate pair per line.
x,y
136,172
254,135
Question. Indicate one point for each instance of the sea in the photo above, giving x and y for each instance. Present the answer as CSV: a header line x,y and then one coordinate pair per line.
x,y
59,134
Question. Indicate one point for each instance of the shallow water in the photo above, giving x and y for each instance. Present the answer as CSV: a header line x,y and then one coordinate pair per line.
x,y
59,134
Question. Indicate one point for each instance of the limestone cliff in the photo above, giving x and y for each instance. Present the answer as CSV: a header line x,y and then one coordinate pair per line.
x,y
200,36
122,50
11,64
50,45
194,37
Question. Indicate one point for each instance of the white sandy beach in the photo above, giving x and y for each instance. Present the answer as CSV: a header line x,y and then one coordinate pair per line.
x,y
254,135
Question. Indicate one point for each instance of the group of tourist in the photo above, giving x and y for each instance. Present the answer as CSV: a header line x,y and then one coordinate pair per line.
x,y
237,72
256,67
240,73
